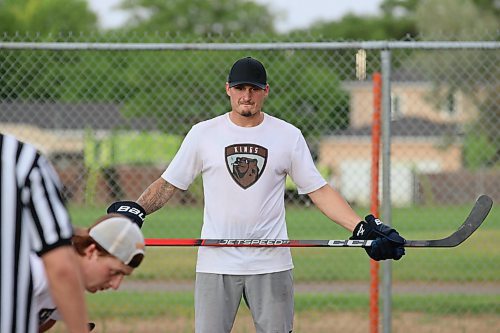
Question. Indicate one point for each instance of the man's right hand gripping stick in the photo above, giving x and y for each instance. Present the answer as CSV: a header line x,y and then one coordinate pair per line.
x,y
388,244
130,209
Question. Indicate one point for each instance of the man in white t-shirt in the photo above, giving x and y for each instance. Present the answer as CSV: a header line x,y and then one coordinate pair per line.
x,y
244,157
107,252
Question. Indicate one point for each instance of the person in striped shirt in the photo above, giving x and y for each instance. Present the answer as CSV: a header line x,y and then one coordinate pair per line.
x,y
35,219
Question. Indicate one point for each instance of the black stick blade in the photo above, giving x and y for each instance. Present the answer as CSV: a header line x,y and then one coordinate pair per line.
x,y
476,217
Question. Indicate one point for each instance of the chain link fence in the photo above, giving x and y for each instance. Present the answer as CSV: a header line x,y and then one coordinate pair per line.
x,y
111,115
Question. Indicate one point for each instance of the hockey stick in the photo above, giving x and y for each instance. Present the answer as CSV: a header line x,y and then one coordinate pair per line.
x,y
476,217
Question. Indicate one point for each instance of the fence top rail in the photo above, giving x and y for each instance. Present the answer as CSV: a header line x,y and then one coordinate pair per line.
x,y
368,45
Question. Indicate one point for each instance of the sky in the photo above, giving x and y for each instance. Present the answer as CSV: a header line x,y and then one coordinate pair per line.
x,y
292,14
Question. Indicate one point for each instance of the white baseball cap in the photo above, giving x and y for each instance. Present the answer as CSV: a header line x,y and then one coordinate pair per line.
x,y
120,237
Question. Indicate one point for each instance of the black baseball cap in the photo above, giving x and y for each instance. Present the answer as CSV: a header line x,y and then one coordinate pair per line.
x,y
248,70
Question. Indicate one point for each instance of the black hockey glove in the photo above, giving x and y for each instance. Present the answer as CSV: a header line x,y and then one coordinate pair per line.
x,y
387,244
130,209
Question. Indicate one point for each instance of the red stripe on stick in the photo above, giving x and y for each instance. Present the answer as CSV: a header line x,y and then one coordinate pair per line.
x,y
172,242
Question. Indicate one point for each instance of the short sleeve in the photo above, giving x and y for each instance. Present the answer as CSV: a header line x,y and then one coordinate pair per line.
x,y
303,171
50,221
186,164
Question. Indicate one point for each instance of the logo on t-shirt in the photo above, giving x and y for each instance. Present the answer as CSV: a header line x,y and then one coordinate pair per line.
x,y
245,163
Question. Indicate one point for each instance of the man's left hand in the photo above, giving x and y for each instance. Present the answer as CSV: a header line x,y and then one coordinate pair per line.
x,y
387,244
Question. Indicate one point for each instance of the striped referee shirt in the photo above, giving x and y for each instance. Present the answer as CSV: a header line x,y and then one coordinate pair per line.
x,y
33,219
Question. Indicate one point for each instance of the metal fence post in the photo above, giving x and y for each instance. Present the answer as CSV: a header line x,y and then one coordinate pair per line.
x,y
386,183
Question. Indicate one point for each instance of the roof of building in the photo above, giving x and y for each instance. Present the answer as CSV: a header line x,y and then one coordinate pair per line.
x,y
407,127
70,116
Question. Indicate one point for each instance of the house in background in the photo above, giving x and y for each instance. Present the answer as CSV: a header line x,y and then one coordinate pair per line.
x,y
426,131
76,136
59,128
417,147
414,99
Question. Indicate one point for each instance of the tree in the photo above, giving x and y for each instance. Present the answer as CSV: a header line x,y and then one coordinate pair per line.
x,y
399,7
353,27
401,19
475,72
408,8
193,91
45,17
199,16
457,19
307,95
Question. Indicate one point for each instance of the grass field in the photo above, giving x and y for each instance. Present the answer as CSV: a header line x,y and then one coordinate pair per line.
x,y
153,304
173,312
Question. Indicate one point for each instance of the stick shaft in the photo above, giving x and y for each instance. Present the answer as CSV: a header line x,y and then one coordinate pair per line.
x,y
476,217
256,242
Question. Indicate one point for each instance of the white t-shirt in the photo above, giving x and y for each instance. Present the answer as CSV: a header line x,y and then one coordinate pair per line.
x,y
44,305
244,171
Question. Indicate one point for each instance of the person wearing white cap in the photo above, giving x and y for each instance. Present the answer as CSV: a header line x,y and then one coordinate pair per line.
x,y
107,252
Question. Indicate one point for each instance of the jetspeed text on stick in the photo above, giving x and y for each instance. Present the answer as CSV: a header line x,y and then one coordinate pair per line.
x,y
255,242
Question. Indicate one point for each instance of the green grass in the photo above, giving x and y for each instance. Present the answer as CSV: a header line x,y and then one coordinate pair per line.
x,y
474,261
130,148
147,305
143,305
431,304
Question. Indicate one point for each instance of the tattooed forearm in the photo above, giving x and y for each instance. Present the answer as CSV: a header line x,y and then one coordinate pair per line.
x,y
156,195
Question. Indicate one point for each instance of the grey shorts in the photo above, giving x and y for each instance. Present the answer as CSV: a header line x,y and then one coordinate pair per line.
x,y
269,297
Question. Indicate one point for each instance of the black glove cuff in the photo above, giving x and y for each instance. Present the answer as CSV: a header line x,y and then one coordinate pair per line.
x,y
379,229
130,209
